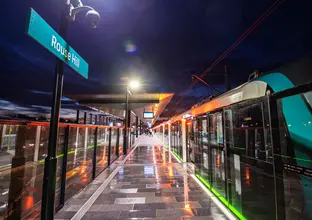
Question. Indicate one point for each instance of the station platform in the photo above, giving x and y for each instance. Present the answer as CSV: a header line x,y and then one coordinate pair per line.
x,y
149,183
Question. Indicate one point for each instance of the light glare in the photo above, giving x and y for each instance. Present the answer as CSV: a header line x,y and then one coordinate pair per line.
x,y
134,84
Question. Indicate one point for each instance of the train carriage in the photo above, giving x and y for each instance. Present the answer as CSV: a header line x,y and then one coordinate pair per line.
x,y
252,146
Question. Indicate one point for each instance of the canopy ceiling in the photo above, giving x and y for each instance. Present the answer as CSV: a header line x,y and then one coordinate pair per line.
x,y
115,103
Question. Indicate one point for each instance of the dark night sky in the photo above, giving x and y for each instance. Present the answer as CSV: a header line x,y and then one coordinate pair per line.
x,y
174,39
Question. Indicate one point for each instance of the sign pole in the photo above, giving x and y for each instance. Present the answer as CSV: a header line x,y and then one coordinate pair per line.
x,y
49,178
125,143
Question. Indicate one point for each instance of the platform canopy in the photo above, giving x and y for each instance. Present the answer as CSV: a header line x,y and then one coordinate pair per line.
x,y
115,103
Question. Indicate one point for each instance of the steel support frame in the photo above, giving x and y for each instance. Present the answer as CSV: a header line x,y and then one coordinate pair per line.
x,y
125,143
49,176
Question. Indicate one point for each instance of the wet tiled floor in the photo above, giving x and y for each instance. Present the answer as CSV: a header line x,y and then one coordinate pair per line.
x,y
147,186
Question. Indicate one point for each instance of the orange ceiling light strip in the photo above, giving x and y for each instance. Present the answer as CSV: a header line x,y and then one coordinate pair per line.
x,y
35,123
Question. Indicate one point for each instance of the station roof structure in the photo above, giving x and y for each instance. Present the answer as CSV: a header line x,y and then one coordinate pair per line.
x,y
115,103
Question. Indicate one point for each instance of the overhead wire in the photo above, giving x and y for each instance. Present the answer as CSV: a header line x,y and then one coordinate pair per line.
x,y
242,37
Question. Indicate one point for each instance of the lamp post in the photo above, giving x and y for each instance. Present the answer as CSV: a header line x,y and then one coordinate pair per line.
x,y
134,85
69,10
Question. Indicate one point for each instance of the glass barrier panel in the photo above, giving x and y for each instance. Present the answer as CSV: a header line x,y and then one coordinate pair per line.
x,y
113,144
23,151
101,151
121,141
79,164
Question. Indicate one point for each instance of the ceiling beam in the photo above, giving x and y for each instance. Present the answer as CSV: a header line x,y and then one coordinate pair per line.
x,y
114,101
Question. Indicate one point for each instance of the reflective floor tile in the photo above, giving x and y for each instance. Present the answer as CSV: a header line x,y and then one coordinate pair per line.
x,y
140,186
72,208
101,215
108,198
64,215
190,204
139,200
138,214
148,190
169,199
150,206
191,198
141,194
110,207
174,212
181,190
158,186
128,190
206,211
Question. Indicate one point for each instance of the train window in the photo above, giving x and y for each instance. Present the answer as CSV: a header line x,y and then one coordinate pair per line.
x,y
248,131
219,128
205,157
215,128
228,122
212,130
194,125
204,130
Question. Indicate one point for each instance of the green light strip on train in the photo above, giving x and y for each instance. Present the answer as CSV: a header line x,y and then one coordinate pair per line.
x,y
280,155
306,160
178,157
239,148
284,156
221,198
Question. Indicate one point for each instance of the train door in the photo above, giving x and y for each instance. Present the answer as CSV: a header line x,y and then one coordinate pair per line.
x,y
197,148
204,147
216,152
249,168
192,151
179,131
233,182
189,140
174,137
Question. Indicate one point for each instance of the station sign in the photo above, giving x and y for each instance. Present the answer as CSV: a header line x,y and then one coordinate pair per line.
x,y
45,35
148,115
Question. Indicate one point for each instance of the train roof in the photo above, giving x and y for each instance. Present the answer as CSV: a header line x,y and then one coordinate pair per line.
x,y
248,90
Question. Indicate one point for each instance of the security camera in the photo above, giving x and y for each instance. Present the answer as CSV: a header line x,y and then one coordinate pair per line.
x,y
93,18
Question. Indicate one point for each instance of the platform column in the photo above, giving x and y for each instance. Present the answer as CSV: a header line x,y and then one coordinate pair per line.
x,y
169,136
169,139
184,140
163,133
77,117
136,126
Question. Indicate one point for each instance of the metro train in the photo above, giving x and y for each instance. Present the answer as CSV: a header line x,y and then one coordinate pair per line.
x,y
252,150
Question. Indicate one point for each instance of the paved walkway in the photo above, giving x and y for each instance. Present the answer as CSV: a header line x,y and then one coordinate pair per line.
x,y
143,186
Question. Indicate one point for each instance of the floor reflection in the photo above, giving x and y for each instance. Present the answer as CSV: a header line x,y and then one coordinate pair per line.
x,y
149,186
